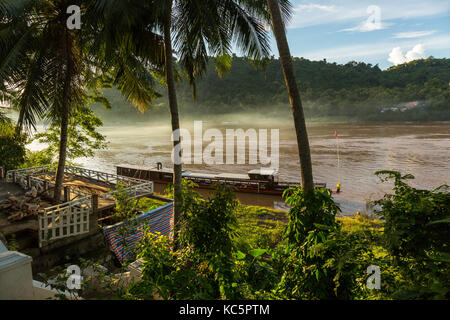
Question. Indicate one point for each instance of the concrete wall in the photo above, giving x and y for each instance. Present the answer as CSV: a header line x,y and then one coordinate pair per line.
x,y
16,280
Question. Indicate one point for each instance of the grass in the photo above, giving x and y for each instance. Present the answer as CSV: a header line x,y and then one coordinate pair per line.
x,y
261,227
147,204
358,223
367,229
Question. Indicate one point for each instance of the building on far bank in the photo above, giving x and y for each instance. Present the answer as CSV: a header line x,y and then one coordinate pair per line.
x,y
402,107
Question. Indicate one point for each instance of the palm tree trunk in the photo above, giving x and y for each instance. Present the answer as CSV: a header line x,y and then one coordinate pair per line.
x,y
62,154
65,111
19,124
294,96
173,108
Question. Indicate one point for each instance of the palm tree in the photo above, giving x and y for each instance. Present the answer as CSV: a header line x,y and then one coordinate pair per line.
x,y
48,69
294,96
193,31
202,29
173,108
44,65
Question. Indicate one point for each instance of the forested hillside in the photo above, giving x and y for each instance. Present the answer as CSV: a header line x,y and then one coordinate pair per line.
x,y
353,90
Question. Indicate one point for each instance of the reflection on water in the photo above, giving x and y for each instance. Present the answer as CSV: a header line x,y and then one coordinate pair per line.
x,y
420,149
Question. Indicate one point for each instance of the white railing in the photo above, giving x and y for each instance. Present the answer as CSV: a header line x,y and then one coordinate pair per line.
x,y
72,218
64,220
102,176
29,172
134,191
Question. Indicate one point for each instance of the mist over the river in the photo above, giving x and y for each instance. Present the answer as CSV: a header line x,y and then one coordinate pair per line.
x,y
421,149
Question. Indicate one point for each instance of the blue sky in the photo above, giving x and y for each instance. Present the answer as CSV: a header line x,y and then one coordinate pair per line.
x,y
377,32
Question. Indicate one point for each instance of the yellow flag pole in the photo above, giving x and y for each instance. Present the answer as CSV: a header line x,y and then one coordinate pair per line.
x,y
338,186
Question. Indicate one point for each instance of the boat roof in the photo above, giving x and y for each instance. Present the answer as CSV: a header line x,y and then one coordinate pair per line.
x,y
231,176
139,167
236,176
264,171
199,175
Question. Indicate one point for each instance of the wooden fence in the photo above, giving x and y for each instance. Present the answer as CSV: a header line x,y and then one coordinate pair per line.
x,y
72,217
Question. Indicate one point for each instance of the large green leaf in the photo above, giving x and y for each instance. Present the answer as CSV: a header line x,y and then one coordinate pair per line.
x,y
257,252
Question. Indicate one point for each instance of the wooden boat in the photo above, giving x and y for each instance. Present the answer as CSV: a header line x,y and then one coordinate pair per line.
x,y
264,181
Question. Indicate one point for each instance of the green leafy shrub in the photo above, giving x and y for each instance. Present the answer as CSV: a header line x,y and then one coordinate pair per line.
x,y
203,267
12,147
416,236
311,218
311,221
37,158
258,271
208,225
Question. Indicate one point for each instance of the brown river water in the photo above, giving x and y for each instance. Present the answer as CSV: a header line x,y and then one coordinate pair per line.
x,y
420,149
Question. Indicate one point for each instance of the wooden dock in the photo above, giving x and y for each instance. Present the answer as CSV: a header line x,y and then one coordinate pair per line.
x,y
87,194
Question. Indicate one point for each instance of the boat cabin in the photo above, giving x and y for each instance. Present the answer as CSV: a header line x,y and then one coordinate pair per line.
x,y
145,173
264,174
162,174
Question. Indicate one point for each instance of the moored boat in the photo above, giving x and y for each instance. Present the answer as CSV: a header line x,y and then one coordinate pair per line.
x,y
263,180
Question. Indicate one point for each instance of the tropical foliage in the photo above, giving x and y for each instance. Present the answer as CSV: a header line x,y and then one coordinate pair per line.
x,y
356,91
49,71
416,235
83,137
320,257
12,147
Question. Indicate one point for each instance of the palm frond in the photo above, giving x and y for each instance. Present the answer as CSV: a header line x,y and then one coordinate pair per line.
x,y
135,82
246,20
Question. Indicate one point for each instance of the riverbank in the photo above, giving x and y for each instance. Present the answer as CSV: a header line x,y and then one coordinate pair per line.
x,y
418,149
262,227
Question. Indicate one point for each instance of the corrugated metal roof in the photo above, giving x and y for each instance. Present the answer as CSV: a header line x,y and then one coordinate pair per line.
x,y
233,176
264,171
201,175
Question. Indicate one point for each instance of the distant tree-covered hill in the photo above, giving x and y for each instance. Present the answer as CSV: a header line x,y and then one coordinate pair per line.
x,y
353,90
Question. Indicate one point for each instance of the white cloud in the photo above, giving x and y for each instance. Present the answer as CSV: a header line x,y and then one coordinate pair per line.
x,y
312,6
396,56
417,52
378,50
413,34
373,21
354,12
367,26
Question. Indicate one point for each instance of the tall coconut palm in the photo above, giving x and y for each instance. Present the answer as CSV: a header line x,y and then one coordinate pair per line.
x,y
199,30
50,68
193,31
173,108
294,96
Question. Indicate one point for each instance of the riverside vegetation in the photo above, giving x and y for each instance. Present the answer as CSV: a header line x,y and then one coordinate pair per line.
x,y
316,258
229,251
334,92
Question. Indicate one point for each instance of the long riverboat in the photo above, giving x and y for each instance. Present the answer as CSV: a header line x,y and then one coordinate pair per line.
x,y
264,181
